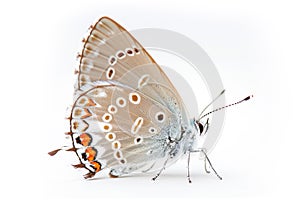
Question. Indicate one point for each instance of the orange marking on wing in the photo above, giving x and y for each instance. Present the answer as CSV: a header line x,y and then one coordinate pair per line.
x,y
91,153
96,165
85,139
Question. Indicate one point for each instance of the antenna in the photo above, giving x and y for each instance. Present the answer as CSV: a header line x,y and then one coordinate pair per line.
x,y
238,102
211,103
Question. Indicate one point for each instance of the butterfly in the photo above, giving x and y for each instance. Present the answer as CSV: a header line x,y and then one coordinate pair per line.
x,y
126,115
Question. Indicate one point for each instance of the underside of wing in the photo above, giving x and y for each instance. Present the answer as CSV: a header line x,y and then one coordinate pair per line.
x,y
112,125
125,107
112,53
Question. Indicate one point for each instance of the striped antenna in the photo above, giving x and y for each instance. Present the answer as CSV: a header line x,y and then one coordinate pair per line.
x,y
218,109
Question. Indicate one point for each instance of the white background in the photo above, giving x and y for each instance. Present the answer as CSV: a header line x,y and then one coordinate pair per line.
x,y
255,46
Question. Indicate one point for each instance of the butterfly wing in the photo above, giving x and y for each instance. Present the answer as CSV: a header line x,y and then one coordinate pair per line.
x,y
112,53
125,107
113,125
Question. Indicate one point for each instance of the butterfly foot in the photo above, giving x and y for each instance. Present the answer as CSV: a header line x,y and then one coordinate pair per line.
x,y
206,159
157,175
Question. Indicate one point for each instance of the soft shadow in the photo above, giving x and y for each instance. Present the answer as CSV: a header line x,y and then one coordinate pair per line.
x,y
168,175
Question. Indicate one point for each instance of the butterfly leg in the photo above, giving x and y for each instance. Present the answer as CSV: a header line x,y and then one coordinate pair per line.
x,y
188,168
205,166
162,169
207,159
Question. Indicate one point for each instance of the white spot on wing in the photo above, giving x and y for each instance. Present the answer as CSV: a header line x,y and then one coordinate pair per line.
x,y
116,145
112,109
118,154
152,130
120,55
136,50
134,98
110,136
107,117
123,161
110,73
129,51
121,102
138,140
112,60
98,92
160,117
95,53
143,80
105,127
137,125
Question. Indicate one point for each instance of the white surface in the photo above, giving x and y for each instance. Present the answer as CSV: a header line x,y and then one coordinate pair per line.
x,y
255,46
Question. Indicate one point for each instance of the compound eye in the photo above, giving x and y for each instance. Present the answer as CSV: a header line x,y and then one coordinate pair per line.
x,y
201,128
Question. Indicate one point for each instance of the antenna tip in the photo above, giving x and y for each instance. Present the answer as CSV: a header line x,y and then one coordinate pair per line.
x,y
248,97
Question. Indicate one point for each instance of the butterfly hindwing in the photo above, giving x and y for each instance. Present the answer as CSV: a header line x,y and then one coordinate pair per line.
x,y
114,125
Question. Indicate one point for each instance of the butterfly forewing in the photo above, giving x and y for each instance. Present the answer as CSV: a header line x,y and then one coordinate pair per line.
x,y
110,52
108,45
